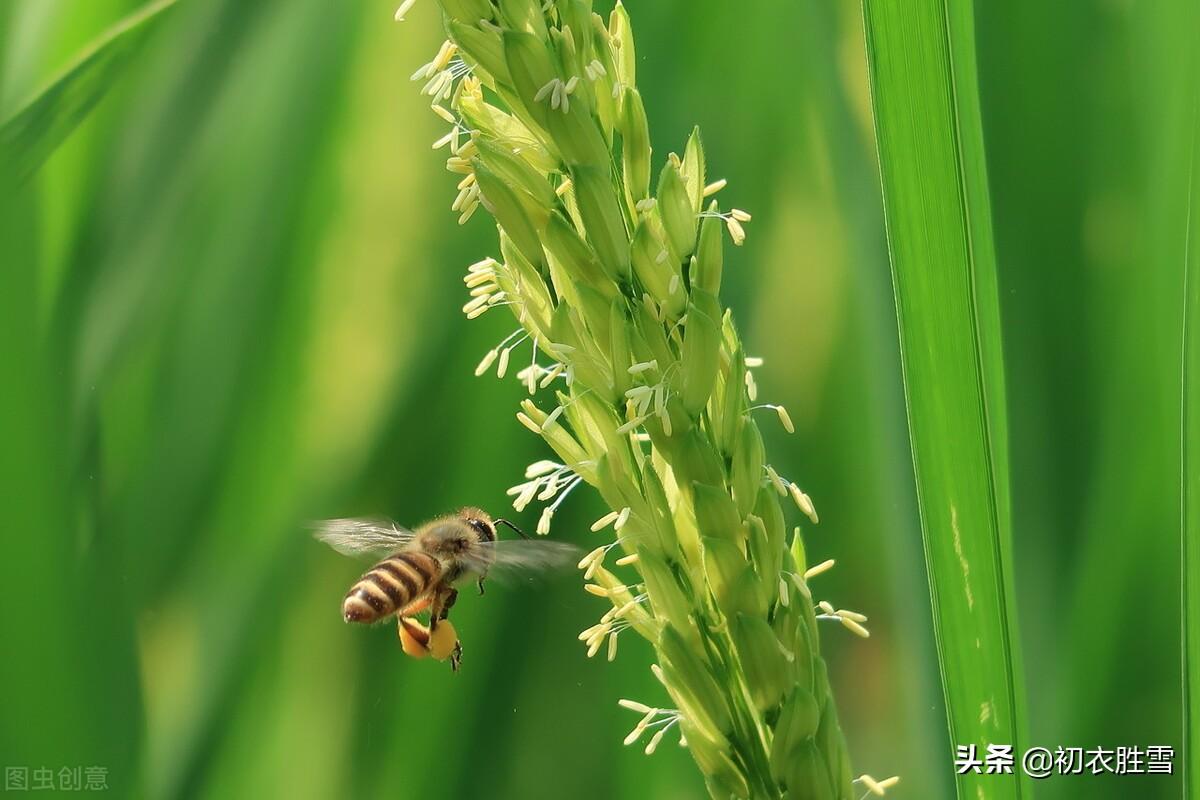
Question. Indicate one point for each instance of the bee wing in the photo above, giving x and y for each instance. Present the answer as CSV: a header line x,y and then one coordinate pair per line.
x,y
514,559
363,537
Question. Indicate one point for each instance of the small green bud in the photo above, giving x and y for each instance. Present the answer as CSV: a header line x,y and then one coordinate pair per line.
x,y
619,328
516,171
729,402
538,303
716,514
611,483
608,106
484,47
622,34
671,290
831,741
679,421
590,370
665,595
701,351
693,458
693,169
684,522
656,498
637,345
806,775
711,753
654,337
792,631
576,16
747,470
562,42
596,310
531,67
636,151
638,531
563,331
523,15
727,784
768,673
589,438
730,332
827,727
820,677
653,266
781,743
679,218
692,680
467,12
602,219
766,568
797,550
564,243
521,218
602,423
767,546
706,268
729,576
574,130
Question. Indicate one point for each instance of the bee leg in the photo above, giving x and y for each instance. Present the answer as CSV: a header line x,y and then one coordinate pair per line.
x,y
414,637
439,608
480,585
450,599
415,607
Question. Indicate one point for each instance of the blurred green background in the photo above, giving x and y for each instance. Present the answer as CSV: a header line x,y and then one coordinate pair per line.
x,y
229,305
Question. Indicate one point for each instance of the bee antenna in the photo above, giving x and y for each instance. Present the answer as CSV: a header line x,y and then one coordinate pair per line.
x,y
520,532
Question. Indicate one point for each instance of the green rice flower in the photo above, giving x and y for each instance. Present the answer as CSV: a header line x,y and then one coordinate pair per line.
x,y
641,387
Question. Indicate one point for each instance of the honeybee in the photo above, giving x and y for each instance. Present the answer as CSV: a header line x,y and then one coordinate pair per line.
x,y
422,568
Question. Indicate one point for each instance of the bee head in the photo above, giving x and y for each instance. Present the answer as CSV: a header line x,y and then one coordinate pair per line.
x,y
480,522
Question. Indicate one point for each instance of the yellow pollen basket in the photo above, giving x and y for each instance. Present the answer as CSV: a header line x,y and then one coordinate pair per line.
x,y
443,641
417,642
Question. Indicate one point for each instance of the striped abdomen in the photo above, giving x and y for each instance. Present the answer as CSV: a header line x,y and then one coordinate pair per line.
x,y
390,586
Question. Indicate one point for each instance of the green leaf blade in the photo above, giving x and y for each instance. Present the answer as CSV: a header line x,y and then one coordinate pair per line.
x,y
929,134
32,133
1190,464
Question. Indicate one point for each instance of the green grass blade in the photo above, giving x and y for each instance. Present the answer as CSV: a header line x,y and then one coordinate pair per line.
x,y
925,96
1190,542
71,696
32,133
